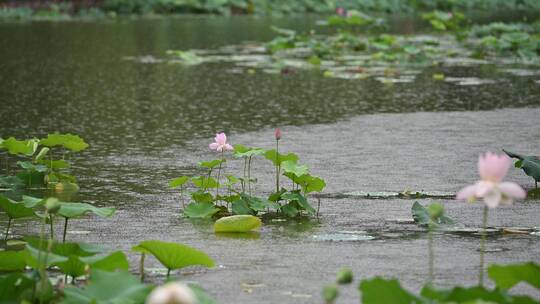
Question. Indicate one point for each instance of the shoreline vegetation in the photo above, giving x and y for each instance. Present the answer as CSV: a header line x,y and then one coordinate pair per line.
x,y
101,9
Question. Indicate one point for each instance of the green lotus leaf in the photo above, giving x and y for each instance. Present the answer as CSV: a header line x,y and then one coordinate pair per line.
x,y
422,217
302,201
174,255
278,158
179,181
529,164
290,210
290,166
204,182
237,223
71,210
382,291
211,164
15,288
75,265
68,141
32,202
243,151
33,255
507,276
55,164
13,260
30,166
200,210
108,288
15,209
15,147
202,197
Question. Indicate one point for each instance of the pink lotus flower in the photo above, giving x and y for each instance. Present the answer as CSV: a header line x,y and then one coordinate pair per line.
x,y
341,11
277,134
172,293
220,143
492,169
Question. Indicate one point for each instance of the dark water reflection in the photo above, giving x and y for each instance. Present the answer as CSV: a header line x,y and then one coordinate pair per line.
x,y
70,77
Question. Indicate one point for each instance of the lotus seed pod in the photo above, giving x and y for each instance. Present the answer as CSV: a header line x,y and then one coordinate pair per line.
x,y
344,276
330,293
52,205
435,211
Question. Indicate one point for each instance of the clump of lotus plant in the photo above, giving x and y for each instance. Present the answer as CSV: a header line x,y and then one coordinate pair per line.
x,y
238,198
492,190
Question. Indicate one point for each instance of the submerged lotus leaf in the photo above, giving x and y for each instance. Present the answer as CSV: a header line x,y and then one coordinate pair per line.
x,y
68,141
507,276
71,210
343,237
13,260
174,255
237,223
178,182
106,288
200,210
15,209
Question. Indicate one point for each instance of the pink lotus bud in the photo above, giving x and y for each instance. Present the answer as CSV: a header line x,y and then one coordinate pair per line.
x,y
278,134
340,11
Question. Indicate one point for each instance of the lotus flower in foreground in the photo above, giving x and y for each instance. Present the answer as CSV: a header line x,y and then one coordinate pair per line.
x,y
172,293
492,169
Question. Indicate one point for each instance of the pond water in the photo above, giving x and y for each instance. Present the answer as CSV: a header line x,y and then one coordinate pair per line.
x,y
148,122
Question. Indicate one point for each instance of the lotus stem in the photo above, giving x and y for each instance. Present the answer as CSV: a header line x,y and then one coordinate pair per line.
x,y
7,229
168,272
430,254
182,197
278,169
41,268
244,180
205,185
141,266
219,174
249,175
318,206
483,247
52,225
65,230
7,164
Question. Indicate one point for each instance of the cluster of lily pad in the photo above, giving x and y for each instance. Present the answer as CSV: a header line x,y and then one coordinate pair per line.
x,y
359,48
37,269
493,191
217,194
382,290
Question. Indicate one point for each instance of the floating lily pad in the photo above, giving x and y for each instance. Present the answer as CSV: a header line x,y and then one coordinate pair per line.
x,y
469,81
237,223
343,237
